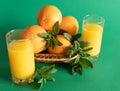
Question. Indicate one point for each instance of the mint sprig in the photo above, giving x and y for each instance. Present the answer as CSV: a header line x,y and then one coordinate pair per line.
x,y
78,48
50,36
42,75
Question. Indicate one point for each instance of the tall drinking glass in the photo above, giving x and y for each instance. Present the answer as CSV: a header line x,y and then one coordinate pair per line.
x,y
21,57
92,31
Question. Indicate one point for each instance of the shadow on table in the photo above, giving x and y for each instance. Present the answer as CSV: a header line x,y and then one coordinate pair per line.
x,y
4,63
5,72
64,66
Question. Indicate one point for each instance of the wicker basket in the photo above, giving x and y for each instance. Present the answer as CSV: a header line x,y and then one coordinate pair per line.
x,y
53,58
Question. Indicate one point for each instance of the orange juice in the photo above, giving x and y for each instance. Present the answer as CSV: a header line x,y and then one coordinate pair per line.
x,y
93,34
21,56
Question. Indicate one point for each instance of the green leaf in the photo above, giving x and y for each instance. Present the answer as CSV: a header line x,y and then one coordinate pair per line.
x,y
68,36
76,46
53,71
56,41
84,44
85,62
35,85
87,55
41,76
70,52
39,84
43,35
82,53
56,28
45,69
76,37
50,36
52,44
77,68
47,37
50,78
82,59
87,49
40,81
77,60
73,69
47,44
61,32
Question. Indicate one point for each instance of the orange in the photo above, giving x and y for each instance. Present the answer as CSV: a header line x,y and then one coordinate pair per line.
x,y
31,32
60,49
48,16
69,24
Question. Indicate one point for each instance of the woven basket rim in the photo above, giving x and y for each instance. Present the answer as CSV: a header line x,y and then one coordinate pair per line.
x,y
53,58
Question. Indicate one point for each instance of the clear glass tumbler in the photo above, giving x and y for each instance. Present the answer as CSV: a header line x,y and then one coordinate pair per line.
x,y
92,31
21,57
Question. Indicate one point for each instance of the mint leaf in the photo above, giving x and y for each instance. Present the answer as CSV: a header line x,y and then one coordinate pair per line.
x,y
87,49
43,35
56,28
76,37
42,75
70,51
82,60
77,59
50,36
68,36
84,44
46,70
77,68
50,78
85,62
61,32
56,41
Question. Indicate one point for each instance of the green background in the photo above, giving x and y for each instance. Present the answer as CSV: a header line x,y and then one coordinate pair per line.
x,y
105,76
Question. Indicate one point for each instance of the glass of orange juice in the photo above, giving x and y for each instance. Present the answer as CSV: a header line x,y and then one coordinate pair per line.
x,y
21,57
92,30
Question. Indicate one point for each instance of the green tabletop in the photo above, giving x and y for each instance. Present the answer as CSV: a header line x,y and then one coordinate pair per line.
x,y
105,76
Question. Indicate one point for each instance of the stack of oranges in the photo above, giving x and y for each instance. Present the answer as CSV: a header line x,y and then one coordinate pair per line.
x,y
46,18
